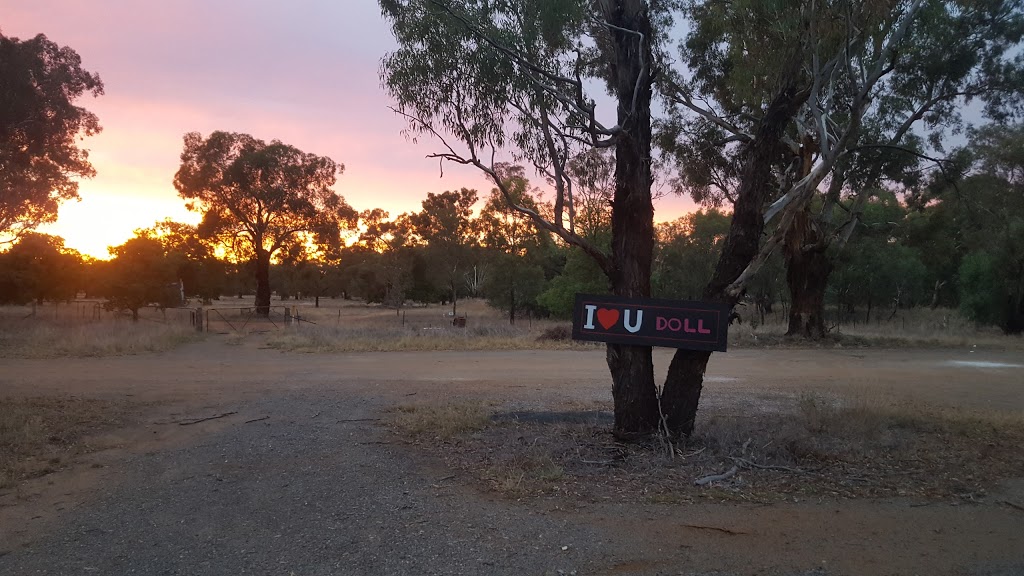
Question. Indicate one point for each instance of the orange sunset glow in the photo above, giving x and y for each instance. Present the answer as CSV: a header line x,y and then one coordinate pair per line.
x,y
306,75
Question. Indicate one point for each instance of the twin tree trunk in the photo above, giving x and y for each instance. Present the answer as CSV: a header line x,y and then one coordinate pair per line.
x,y
638,411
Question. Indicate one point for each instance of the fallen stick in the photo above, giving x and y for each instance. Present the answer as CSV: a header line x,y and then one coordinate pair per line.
x,y
256,420
694,453
715,528
198,420
716,477
359,420
1014,505
746,462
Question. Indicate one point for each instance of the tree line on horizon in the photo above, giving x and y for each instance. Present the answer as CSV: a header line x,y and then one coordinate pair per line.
x,y
816,136
933,249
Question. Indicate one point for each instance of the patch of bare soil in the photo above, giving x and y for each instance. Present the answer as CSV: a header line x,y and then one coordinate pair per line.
x,y
55,451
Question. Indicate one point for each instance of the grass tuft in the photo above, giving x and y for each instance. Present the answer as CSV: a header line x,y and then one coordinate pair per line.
x,y
442,422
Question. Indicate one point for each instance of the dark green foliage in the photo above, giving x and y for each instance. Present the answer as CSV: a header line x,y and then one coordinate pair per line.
x,y
993,199
580,275
981,289
687,253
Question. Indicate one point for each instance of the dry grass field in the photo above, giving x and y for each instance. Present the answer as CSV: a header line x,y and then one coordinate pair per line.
x,y
84,329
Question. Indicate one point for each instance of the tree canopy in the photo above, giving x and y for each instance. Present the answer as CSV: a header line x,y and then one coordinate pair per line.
x,y
258,198
40,130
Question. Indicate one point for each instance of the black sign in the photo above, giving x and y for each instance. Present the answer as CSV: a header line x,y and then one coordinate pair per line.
x,y
650,322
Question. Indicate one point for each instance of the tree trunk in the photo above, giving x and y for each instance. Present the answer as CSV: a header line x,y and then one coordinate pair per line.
x,y
512,306
807,271
685,379
262,282
632,367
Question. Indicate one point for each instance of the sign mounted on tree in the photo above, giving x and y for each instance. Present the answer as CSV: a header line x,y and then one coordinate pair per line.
x,y
651,322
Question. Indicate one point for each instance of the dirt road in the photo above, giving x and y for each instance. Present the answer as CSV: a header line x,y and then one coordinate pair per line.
x,y
297,482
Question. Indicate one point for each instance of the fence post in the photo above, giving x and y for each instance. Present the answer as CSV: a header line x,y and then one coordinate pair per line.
x,y
197,319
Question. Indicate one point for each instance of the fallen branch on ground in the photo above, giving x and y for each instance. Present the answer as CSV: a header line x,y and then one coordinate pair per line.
x,y
256,420
716,477
749,464
1013,505
715,528
198,420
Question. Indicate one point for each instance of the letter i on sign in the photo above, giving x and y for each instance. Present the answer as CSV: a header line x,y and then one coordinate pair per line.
x,y
590,317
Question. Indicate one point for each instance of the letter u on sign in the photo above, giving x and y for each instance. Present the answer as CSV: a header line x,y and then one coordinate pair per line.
x,y
633,327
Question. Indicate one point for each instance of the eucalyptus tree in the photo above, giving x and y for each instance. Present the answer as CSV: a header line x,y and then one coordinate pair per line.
x,y
493,81
447,228
258,198
890,82
40,130
514,277
991,275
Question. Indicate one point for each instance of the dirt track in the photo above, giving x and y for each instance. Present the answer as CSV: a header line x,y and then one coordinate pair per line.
x,y
304,492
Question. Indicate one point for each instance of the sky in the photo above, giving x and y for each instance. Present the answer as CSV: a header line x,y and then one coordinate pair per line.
x,y
304,72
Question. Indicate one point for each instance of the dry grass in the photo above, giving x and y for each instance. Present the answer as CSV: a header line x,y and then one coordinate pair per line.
x,y
82,329
439,422
916,327
347,326
43,339
817,447
39,435
352,326
388,339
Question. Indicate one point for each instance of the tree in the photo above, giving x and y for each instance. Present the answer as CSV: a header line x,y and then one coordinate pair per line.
x,y
512,78
888,86
877,269
687,252
515,277
446,226
201,273
140,274
40,127
992,274
259,198
39,268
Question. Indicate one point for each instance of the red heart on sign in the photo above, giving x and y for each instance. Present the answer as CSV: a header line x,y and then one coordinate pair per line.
x,y
607,318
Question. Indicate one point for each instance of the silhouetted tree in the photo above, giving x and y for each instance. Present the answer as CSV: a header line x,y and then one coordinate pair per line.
x,y
259,198
140,274
446,226
39,268
40,130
